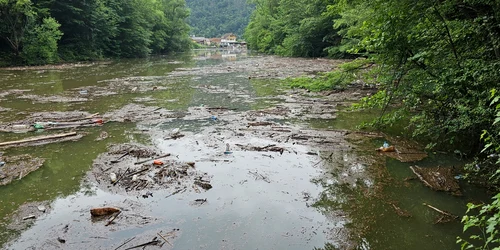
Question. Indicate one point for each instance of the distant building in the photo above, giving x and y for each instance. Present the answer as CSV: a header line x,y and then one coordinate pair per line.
x,y
215,41
201,40
228,39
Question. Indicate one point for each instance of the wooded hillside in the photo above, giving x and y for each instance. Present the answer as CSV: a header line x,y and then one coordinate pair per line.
x,y
215,18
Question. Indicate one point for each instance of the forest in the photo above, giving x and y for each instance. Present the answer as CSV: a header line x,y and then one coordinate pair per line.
x,y
436,65
46,31
216,18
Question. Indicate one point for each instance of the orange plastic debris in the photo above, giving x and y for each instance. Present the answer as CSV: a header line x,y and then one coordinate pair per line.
x,y
157,162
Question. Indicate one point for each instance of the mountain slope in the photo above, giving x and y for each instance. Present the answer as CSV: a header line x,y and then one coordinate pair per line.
x,y
213,18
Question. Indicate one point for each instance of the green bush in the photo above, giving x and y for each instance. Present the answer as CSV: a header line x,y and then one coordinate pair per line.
x,y
40,46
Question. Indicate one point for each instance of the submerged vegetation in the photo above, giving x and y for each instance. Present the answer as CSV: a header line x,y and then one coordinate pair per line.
x,y
45,31
437,63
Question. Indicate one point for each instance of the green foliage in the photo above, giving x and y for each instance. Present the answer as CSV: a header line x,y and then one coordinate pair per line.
x,y
41,43
486,221
292,28
346,74
217,17
92,29
437,61
15,17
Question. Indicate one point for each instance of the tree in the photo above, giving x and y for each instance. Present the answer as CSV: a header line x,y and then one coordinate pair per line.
x,y
41,43
16,16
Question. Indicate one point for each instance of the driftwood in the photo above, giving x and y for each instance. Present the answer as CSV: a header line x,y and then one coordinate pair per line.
x,y
121,157
124,243
138,172
448,214
113,218
421,177
401,212
71,126
164,239
259,176
155,158
121,176
260,124
35,139
153,242
176,192
29,217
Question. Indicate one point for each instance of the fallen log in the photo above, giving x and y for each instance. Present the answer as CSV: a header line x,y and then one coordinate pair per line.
x,y
421,177
35,139
441,211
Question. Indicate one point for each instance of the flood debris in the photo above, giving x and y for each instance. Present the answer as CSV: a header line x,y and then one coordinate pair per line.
x,y
155,242
268,148
438,178
42,140
17,167
386,149
203,184
52,121
403,150
399,211
103,211
31,216
140,113
113,218
198,202
132,175
259,176
260,123
445,216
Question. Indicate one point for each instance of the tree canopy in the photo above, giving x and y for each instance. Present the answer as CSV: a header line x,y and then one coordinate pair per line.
x,y
42,31
217,17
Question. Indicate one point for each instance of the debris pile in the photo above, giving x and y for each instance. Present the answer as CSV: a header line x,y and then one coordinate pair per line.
x,y
17,167
135,167
438,178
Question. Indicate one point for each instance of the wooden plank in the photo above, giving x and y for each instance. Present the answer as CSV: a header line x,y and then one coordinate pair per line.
x,y
38,138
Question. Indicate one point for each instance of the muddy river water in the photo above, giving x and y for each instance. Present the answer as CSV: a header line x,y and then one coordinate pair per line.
x,y
287,169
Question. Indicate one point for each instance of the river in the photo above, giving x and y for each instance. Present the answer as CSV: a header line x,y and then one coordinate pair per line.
x,y
326,188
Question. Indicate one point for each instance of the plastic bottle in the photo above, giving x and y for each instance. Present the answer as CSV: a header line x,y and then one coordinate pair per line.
x,y
386,145
39,126
214,118
2,163
112,176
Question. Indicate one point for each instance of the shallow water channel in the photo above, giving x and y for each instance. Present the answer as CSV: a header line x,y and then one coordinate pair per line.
x,y
309,196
